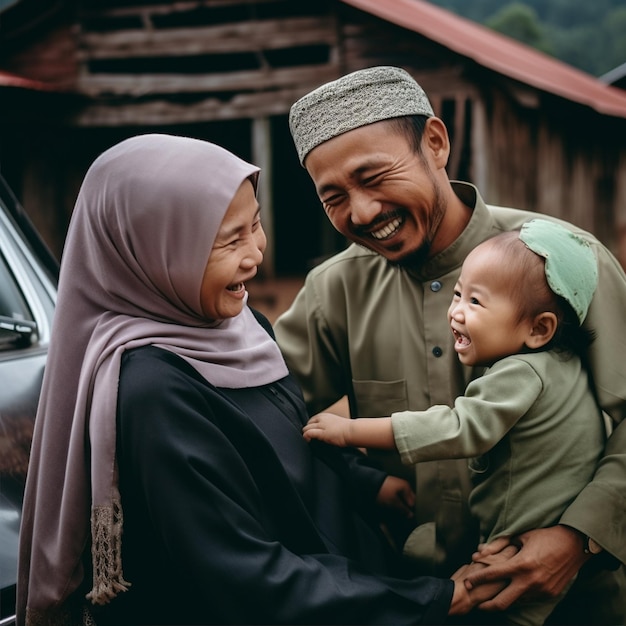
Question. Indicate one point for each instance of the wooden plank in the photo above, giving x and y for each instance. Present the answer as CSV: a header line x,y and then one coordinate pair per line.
x,y
480,151
262,156
156,112
252,35
169,8
136,85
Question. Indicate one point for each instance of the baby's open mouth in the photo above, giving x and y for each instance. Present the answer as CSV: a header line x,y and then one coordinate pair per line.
x,y
460,339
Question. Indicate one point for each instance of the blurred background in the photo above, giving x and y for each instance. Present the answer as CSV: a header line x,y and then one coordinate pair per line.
x,y
532,93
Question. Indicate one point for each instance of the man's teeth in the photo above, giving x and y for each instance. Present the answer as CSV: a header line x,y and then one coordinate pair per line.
x,y
388,229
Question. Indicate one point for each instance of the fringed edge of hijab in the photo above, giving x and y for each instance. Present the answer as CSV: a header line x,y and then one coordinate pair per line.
x,y
106,552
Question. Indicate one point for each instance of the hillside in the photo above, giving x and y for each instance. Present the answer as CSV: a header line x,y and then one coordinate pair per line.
x,y
587,35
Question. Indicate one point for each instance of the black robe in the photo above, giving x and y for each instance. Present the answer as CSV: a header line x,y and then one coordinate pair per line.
x,y
230,516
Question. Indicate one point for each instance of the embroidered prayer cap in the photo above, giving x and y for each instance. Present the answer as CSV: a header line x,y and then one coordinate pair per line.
x,y
571,267
354,100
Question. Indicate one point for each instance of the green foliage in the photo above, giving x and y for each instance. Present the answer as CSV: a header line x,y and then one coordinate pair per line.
x,y
614,26
588,35
520,21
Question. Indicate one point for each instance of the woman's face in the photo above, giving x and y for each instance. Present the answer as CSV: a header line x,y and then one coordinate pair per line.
x,y
235,257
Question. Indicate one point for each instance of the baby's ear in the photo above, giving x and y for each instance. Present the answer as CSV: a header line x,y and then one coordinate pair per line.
x,y
543,329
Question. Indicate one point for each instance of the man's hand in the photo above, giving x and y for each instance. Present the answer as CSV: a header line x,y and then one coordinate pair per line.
x,y
547,560
396,493
464,599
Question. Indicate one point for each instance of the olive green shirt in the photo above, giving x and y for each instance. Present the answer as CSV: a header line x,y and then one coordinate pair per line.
x,y
379,334
535,432
535,423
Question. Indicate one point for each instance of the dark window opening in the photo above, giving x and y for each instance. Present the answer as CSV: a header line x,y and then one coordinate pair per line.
x,y
201,64
212,63
303,234
304,55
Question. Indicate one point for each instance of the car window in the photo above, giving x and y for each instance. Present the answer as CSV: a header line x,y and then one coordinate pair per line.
x,y
12,305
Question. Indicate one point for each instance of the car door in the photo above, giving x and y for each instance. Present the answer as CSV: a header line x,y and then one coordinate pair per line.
x,y
28,275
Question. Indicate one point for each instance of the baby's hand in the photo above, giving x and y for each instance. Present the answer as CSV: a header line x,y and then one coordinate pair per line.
x,y
328,427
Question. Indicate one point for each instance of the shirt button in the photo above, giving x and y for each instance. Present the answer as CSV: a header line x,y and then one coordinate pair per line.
x,y
435,286
437,351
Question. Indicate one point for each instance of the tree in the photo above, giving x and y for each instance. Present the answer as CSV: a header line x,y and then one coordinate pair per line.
x,y
614,26
587,35
519,21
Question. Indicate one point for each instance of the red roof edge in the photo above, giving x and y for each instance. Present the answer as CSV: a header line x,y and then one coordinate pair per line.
x,y
7,79
498,53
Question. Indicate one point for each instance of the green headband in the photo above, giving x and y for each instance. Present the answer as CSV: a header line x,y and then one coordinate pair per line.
x,y
571,268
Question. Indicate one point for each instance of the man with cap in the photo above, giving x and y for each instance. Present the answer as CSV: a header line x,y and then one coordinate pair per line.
x,y
370,324
517,310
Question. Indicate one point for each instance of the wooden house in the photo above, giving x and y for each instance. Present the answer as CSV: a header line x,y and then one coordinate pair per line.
x,y
78,76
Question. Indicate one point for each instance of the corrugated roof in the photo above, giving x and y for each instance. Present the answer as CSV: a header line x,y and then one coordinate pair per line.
x,y
498,53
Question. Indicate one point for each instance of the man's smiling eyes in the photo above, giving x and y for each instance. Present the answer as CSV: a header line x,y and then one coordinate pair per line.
x,y
370,180
332,200
373,179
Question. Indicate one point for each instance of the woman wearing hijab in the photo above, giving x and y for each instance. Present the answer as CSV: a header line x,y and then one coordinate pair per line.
x,y
169,482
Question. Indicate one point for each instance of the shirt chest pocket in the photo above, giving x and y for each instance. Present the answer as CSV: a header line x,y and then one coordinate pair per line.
x,y
376,398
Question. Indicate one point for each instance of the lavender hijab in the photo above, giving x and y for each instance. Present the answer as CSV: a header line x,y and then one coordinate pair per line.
x,y
140,236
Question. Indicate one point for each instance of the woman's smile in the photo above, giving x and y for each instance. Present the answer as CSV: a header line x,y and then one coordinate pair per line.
x,y
236,287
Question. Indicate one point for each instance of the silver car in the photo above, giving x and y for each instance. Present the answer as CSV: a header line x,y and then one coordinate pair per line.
x,y
28,286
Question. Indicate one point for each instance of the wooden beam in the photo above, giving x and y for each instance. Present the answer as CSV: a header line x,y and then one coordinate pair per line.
x,y
262,156
136,85
171,8
480,152
252,35
156,112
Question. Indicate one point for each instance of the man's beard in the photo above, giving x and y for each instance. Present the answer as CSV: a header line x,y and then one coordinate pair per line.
x,y
416,258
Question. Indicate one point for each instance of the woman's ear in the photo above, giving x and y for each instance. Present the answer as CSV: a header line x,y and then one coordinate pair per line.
x,y
543,329
435,140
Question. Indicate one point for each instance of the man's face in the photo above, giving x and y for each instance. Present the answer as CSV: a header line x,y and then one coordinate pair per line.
x,y
378,192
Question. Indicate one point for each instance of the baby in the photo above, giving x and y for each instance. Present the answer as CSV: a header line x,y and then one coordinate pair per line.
x,y
530,424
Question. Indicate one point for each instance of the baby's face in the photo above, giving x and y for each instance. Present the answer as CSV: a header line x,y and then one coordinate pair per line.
x,y
483,316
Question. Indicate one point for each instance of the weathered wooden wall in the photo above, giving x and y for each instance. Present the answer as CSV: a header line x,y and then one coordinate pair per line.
x,y
176,62
228,71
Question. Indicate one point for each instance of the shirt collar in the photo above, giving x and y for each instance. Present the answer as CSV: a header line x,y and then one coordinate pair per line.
x,y
477,230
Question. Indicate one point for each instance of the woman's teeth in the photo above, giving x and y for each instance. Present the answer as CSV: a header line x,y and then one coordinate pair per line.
x,y
237,287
